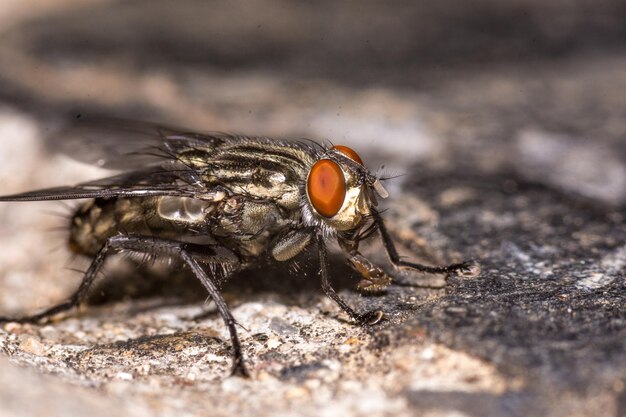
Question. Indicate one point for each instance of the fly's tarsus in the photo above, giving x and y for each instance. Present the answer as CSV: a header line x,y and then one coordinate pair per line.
x,y
469,269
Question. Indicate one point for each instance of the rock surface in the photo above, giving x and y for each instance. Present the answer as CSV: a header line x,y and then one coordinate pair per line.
x,y
511,148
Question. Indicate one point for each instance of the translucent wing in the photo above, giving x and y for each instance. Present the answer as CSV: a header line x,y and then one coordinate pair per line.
x,y
78,192
148,151
166,161
123,144
152,181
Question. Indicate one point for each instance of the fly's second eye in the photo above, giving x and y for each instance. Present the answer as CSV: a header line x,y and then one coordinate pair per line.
x,y
326,187
349,152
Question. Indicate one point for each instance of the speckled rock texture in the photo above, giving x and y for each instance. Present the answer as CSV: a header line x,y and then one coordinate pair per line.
x,y
505,124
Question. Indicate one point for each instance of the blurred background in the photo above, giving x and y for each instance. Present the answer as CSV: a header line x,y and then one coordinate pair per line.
x,y
508,119
487,81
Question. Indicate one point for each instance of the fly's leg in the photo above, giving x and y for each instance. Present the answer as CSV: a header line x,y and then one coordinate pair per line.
x,y
370,317
75,299
466,269
186,252
373,278
239,367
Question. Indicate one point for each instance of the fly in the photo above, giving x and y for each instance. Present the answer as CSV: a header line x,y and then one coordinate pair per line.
x,y
219,203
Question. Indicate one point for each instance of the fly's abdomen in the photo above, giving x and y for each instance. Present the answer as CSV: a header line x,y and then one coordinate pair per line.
x,y
177,218
245,226
97,220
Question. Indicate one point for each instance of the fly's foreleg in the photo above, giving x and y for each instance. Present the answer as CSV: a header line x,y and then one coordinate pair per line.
x,y
370,317
154,246
466,269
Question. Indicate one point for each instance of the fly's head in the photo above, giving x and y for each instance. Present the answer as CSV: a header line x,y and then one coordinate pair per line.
x,y
340,191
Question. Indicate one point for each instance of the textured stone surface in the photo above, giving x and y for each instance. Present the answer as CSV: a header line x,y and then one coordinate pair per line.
x,y
511,148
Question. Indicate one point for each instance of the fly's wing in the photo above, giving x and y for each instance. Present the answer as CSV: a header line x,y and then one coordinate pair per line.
x,y
125,145
79,192
154,181
149,151
171,162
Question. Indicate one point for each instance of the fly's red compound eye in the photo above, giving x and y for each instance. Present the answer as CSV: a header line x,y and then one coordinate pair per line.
x,y
349,152
326,187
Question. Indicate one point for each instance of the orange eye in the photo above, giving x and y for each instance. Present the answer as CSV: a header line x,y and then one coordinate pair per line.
x,y
349,152
326,187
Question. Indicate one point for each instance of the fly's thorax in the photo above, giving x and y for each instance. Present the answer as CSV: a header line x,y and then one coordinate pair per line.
x,y
255,167
338,191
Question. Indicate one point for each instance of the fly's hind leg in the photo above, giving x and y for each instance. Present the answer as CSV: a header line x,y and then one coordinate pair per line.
x,y
188,253
75,299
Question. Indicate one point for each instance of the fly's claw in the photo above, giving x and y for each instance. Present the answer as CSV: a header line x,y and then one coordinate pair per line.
x,y
239,370
370,317
469,269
